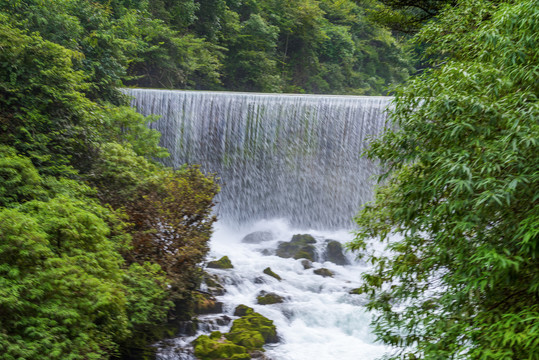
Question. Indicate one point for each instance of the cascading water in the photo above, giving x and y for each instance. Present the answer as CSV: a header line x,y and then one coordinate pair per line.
x,y
288,164
295,157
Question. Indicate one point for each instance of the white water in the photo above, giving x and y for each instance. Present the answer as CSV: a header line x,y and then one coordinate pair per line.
x,y
278,156
295,157
319,319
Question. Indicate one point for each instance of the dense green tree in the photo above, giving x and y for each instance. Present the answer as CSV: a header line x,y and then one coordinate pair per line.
x,y
169,211
69,286
165,58
82,26
44,113
251,64
407,16
460,279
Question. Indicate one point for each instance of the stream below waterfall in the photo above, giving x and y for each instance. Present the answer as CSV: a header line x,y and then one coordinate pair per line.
x,y
292,157
319,319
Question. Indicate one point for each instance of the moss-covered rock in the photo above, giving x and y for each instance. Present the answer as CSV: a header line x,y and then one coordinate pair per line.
x,y
216,346
334,253
244,340
356,291
303,239
222,263
324,272
300,247
269,272
242,310
265,298
253,321
249,339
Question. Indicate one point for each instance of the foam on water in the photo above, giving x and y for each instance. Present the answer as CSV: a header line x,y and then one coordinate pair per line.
x,y
319,318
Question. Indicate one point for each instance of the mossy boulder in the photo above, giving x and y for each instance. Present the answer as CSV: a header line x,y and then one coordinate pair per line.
x,y
253,321
269,272
216,346
249,339
222,263
242,310
356,291
334,253
300,247
324,272
258,237
245,339
265,298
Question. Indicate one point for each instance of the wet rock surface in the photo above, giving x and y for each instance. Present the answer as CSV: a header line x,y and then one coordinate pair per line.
x,y
258,237
334,253
269,272
222,263
300,247
324,272
207,304
213,284
268,298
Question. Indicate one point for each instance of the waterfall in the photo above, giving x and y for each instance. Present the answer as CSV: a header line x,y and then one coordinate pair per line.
x,y
296,157
288,164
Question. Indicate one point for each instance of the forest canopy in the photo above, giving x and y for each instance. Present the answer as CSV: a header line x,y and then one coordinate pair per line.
x,y
314,46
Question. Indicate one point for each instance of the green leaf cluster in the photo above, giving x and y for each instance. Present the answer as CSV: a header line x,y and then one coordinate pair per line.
x,y
458,208
75,176
317,46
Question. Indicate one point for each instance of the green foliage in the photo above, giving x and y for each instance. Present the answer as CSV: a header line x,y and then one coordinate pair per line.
x,y
147,296
125,126
60,291
461,189
264,45
407,16
82,26
251,63
44,114
169,212
66,290
19,180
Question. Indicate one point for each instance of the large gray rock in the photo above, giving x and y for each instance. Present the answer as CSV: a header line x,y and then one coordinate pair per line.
x,y
334,253
258,237
324,272
265,298
300,247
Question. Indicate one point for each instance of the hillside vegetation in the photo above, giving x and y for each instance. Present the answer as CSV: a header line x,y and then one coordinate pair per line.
x,y
314,46
461,190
